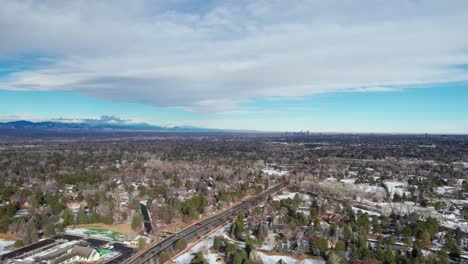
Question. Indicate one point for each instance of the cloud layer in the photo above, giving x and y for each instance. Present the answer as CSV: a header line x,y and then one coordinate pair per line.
x,y
210,56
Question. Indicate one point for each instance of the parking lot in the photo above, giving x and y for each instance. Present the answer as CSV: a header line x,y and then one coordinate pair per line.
x,y
26,249
125,252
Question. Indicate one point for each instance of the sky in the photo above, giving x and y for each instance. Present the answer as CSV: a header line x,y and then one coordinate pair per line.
x,y
325,66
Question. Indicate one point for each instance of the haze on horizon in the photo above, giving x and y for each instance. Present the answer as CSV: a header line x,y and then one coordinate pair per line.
x,y
323,66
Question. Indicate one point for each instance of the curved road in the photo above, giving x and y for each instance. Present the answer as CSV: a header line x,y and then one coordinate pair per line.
x,y
146,218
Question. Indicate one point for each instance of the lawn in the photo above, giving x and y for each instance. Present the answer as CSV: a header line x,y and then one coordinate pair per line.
x,y
95,232
103,232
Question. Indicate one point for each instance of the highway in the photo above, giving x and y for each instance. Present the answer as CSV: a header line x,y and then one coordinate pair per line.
x,y
195,231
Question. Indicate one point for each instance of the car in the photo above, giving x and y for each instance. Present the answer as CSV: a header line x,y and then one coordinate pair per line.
x,y
199,224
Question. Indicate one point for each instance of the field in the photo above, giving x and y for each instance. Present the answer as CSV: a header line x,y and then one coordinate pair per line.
x,y
121,228
95,232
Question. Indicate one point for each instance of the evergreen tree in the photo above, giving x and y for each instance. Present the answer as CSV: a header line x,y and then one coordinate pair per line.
x,y
239,227
49,230
198,259
376,228
137,221
347,233
217,243
316,224
82,218
141,244
68,218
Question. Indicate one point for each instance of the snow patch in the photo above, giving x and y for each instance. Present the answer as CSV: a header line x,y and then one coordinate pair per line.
x,y
4,244
274,259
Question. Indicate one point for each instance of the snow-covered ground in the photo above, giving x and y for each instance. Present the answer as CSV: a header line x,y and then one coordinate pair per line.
x,y
348,181
271,171
284,196
5,244
407,208
396,187
107,235
291,195
370,213
204,246
453,225
274,259
445,190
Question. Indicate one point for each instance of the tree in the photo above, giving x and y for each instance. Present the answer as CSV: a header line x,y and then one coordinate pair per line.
x,y
108,219
4,222
332,229
68,218
450,243
363,222
347,233
217,243
198,259
432,226
180,244
142,190
335,258
237,259
239,227
141,244
82,218
441,257
363,249
408,241
316,224
49,230
137,221
113,185
319,246
231,248
340,246
354,253
426,236
18,244
376,228
130,188
241,257
163,256
389,258
313,213
416,252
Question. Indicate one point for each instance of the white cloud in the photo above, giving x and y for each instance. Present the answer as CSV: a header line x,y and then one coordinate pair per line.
x,y
164,53
105,119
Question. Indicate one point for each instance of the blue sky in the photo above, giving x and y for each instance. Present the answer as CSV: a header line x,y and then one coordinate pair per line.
x,y
325,66
438,108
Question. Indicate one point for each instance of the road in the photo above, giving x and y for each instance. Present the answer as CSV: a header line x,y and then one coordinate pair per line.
x,y
195,231
125,251
146,217
16,253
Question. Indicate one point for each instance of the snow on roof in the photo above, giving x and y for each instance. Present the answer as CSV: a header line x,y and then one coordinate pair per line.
x,y
271,171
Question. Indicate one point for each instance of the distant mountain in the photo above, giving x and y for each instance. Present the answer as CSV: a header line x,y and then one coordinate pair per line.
x,y
96,126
